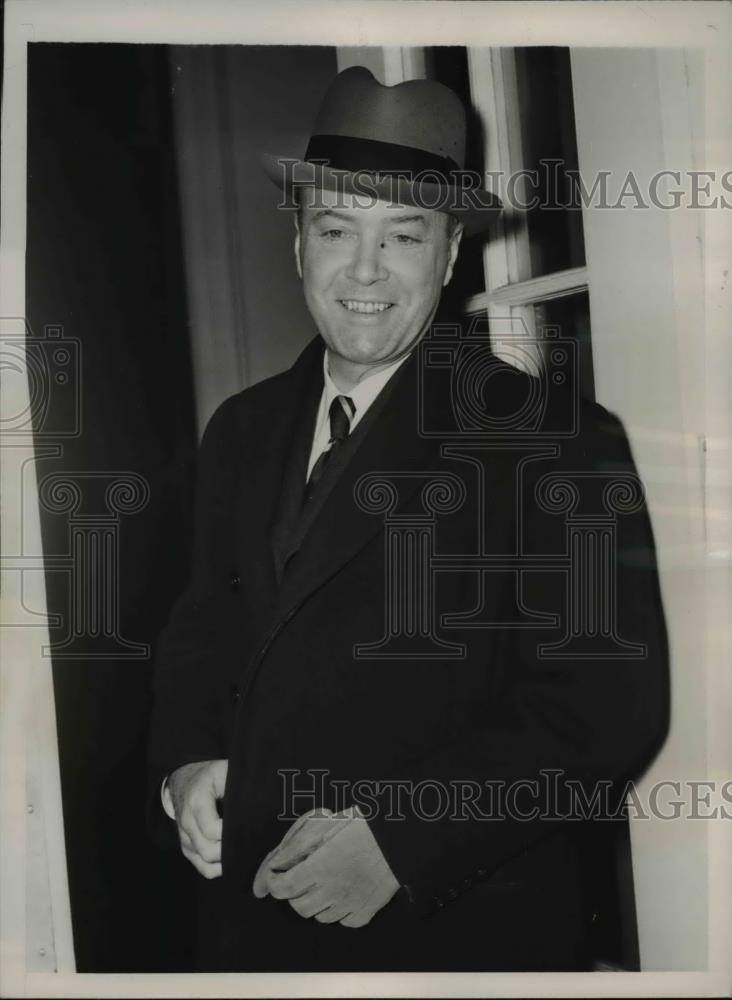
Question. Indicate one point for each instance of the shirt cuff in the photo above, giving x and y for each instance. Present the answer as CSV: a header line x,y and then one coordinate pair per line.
x,y
166,799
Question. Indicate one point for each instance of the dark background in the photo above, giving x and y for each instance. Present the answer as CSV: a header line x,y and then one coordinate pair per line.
x,y
104,262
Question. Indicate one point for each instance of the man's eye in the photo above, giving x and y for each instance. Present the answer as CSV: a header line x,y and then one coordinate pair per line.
x,y
332,234
405,240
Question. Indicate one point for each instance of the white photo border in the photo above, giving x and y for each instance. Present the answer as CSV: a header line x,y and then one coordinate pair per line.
x,y
702,25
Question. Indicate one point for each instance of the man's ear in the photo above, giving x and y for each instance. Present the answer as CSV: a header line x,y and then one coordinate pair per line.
x,y
298,240
452,252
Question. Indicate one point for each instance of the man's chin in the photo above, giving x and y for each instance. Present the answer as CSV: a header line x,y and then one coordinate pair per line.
x,y
361,350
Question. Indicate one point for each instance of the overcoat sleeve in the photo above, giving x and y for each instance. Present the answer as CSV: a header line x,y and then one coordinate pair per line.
x,y
186,724
595,722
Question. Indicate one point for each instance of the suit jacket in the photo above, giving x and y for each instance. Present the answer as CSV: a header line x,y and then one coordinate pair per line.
x,y
416,630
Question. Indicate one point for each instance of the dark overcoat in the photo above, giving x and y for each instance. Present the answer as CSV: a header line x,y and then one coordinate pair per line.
x,y
464,635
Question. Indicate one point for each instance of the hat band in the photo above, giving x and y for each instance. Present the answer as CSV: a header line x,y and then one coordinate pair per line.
x,y
344,152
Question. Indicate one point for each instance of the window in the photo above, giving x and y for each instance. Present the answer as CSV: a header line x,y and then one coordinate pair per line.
x,y
531,279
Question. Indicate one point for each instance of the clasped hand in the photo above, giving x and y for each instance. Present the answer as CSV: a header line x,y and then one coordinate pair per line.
x,y
190,795
330,867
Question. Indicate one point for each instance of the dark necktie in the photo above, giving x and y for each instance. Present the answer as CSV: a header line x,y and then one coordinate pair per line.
x,y
340,413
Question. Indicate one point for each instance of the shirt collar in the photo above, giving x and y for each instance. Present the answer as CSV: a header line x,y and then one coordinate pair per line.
x,y
365,392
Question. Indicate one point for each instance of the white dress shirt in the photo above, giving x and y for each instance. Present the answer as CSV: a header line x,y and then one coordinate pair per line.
x,y
362,395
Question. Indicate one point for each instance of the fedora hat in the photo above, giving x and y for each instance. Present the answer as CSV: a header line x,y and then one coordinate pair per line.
x,y
404,143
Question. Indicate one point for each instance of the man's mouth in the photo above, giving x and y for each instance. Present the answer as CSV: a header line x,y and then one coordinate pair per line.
x,y
361,306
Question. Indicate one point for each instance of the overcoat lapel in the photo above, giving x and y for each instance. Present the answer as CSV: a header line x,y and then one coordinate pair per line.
x,y
278,431
390,443
305,516
303,406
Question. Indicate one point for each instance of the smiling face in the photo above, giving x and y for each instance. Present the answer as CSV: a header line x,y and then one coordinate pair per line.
x,y
372,277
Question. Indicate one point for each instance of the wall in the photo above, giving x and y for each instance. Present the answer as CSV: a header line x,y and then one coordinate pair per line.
x,y
642,110
248,316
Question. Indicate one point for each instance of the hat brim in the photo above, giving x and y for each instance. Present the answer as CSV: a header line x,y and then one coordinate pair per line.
x,y
475,208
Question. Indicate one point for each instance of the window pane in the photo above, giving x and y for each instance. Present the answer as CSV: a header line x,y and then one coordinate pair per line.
x,y
569,317
546,109
449,65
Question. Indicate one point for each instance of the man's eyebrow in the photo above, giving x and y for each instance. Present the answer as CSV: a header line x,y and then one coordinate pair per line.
x,y
331,213
399,220
403,219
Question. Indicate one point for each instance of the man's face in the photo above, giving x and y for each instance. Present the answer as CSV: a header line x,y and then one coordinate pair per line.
x,y
372,276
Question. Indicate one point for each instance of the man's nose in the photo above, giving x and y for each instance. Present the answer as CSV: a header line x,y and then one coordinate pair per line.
x,y
367,265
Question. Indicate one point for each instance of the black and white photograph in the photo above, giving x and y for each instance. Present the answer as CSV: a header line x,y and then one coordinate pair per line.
x,y
366,475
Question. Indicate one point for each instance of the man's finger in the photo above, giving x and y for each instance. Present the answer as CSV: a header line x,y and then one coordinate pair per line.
x,y
331,915
209,850
360,919
208,871
294,882
308,903
188,847
303,837
260,885
219,771
283,886
209,822
298,879
296,845
311,835
203,807
312,814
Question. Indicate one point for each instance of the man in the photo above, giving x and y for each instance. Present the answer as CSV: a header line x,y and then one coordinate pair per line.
x,y
384,693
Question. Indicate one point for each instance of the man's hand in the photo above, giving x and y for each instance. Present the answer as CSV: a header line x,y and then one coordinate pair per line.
x,y
194,790
328,866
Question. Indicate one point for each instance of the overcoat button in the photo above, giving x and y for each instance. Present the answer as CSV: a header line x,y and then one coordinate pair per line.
x,y
235,693
235,581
